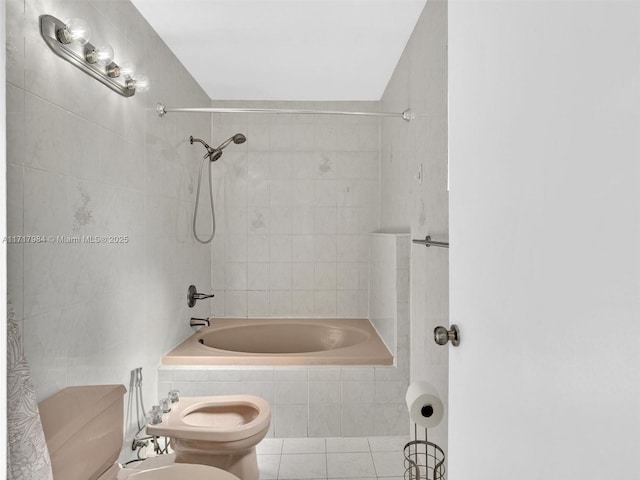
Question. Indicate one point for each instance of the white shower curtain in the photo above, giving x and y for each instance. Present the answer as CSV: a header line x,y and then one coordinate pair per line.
x,y
28,457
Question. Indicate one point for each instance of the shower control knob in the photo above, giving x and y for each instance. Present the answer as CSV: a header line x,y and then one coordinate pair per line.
x,y
193,296
442,336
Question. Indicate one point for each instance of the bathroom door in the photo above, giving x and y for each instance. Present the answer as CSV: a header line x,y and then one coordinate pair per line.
x,y
544,145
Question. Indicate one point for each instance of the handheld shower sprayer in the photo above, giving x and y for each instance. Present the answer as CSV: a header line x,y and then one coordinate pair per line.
x,y
212,154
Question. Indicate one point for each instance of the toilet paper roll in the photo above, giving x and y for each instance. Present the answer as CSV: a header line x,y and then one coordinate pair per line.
x,y
424,404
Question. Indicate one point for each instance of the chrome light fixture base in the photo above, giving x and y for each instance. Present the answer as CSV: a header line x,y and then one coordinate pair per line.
x,y
52,31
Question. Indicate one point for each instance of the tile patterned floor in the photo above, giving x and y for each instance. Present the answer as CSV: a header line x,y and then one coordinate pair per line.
x,y
346,458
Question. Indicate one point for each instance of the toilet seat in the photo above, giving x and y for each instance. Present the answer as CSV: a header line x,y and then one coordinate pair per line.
x,y
225,418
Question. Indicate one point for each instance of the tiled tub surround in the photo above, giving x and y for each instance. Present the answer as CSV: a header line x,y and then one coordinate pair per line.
x,y
294,206
306,401
318,401
389,289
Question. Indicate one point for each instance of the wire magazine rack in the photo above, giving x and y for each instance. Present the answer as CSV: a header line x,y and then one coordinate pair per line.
x,y
423,460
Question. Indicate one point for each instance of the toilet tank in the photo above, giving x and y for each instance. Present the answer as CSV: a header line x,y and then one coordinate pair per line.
x,y
83,427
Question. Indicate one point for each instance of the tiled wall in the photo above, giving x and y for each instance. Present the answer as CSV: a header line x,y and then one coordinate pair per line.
x,y
294,206
307,401
420,81
389,289
83,160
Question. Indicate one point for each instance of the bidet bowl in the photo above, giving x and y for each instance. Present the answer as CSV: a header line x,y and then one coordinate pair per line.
x,y
223,418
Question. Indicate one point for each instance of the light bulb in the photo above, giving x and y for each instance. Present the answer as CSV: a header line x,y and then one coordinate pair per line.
x,y
127,69
141,84
102,55
76,30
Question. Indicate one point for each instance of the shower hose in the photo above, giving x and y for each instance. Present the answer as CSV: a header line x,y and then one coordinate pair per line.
x,y
195,211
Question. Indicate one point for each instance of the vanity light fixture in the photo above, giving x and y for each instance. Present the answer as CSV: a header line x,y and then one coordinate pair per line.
x,y
70,41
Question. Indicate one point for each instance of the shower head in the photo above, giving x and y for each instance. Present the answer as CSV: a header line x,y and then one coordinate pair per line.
x,y
215,153
238,138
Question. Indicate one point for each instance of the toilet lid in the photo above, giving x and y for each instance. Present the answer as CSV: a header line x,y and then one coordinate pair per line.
x,y
181,471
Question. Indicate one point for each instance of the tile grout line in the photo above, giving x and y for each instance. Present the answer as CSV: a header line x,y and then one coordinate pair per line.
x,y
280,457
326,460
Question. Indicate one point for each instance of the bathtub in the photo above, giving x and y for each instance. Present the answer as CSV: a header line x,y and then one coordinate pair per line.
x,y
282,341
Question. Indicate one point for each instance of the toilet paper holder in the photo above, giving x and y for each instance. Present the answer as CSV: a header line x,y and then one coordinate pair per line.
x,y
423,460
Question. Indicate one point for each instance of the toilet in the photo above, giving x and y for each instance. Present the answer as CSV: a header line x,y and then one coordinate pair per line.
x,y
83,428
219,431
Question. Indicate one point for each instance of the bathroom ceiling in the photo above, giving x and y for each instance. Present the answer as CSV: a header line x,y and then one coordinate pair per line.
x,y
286,49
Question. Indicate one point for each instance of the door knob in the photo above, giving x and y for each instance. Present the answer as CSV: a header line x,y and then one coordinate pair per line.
x,y
441,335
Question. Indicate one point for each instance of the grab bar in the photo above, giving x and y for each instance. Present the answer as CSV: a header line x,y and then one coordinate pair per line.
x,y
427,242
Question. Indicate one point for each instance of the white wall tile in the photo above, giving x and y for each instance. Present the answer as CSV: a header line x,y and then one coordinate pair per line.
x,y
325,220
303,275
280,303
325,248
258,220
291,374
291,421
391,419
325,276
281,161
302,220
236,275
258,276
347,276
303,165
280,220
325,392
325,303
260,137
324,374
357,392
324,420
280,276
358,420
235,303
290,393
347,303
257,248
280,248
258,303
357,373
302,302
280,193
302,248
390,391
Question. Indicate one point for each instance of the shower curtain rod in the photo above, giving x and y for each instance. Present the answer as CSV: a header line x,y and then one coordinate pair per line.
x,y
162,110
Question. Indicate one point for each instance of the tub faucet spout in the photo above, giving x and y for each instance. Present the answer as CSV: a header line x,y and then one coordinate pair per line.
x,y
199,322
